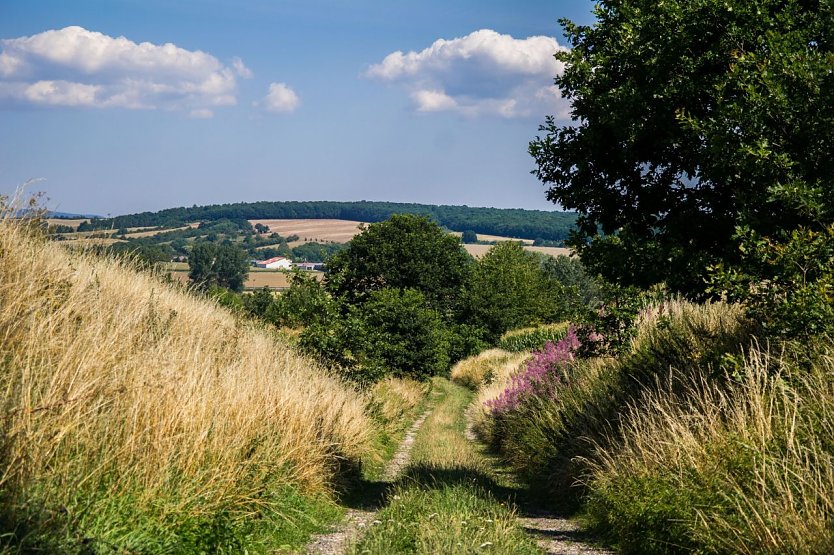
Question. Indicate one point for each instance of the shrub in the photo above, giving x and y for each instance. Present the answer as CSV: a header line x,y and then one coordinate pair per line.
x,y
396,334
542,374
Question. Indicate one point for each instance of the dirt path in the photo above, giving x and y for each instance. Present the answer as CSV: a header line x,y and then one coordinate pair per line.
x,y
554,535
339,539
557,535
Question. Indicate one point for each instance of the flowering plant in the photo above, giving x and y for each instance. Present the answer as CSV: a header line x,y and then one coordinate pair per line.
x,y
542,373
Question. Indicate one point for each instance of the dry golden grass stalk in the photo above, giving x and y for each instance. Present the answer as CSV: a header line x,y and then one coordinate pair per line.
x,y
112,380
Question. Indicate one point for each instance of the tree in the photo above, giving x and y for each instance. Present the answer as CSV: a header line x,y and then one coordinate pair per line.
x,y
695,122
398,334
403,252
469,237
507,290
225,265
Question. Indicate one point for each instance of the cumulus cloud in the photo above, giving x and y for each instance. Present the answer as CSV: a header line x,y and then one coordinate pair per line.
x,y
280,99
482,73
77,67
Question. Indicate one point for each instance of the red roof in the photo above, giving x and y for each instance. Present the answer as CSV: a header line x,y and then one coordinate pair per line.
x,y
271,260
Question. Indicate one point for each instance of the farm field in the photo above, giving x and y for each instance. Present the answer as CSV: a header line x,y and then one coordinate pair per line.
x,y
342,231
71,223
139,232
338,231
258,277
485,237
479,250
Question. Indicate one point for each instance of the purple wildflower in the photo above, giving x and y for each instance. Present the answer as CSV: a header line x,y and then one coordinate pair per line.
x,y
543,372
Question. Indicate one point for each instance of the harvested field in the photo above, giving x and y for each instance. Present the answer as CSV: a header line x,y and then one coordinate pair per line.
x,y
485,237
338,231
479,250
71,223
90,241
137,232
257,279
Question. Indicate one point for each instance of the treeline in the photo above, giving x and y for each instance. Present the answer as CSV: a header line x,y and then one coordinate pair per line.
x,y
509,222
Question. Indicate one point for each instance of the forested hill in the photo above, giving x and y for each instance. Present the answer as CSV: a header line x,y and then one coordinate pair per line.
x,y
509,222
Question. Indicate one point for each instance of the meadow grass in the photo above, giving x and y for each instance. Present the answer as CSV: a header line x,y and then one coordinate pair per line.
x,y
137,417
488,373
445,502
741,468
550,439
393,404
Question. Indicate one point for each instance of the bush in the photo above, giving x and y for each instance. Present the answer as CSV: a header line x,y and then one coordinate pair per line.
x,y
397,335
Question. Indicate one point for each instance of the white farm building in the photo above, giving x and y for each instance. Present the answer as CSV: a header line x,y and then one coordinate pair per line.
x,y
277,263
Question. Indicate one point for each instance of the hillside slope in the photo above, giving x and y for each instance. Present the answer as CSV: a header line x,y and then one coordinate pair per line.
x,y
140,418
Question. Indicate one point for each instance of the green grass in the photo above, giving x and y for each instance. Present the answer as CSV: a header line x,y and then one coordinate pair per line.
x,y
281,521
449,499
529,339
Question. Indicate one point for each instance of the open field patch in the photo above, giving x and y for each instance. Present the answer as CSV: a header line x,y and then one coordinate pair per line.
x,y
485,237
479,250
339,231
74,223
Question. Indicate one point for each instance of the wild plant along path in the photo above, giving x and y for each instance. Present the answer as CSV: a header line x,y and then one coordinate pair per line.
x,y
444,494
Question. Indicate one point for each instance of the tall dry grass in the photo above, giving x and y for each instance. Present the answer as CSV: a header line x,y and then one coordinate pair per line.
x,y
115,386
489,374
745,468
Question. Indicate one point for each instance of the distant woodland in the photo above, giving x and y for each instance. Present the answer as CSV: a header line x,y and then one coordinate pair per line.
x,y
513,222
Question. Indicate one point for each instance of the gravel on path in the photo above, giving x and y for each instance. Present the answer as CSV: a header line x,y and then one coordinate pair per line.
x,y
350,528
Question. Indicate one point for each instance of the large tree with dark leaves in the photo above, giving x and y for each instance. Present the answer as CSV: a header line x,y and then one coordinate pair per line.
x,y
693,119
403,252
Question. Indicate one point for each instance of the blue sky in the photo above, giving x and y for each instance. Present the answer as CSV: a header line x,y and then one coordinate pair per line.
x,y
129,105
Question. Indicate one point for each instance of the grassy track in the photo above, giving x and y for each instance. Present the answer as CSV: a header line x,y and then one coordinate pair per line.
x,y
449,500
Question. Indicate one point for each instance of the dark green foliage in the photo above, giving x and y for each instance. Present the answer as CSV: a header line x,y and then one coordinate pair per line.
x,y
580,290
404,252
525,224
692,118
469,237
315,252
147,255
797,299
399,335
225,265
508,290
305,303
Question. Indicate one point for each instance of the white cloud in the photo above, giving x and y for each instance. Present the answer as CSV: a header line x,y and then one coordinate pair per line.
x,y
77,67
482,73
280,99
241,69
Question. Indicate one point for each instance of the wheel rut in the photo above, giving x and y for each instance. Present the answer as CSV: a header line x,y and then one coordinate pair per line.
x,y
337,541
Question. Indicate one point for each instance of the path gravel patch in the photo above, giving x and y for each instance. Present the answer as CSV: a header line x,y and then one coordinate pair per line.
x,y
356,521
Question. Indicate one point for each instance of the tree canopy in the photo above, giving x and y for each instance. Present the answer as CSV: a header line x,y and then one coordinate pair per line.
x,y
212,264
693,119
403,252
